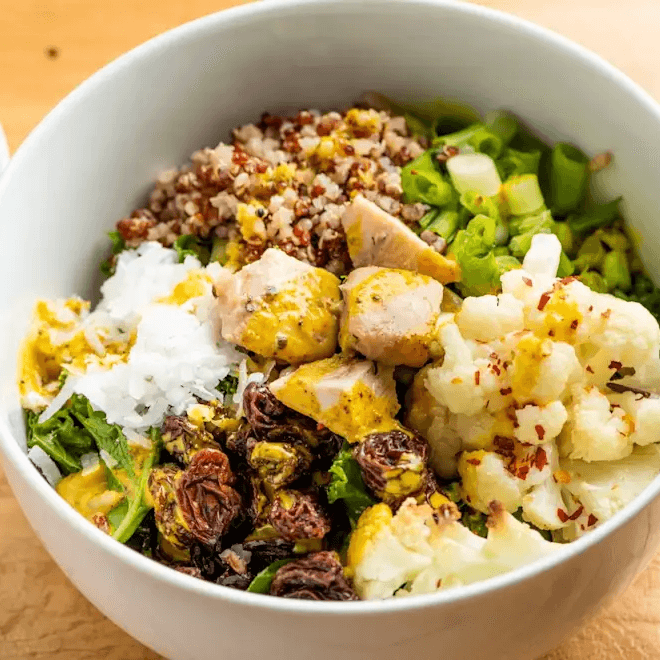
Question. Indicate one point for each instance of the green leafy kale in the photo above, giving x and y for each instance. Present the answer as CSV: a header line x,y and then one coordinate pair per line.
x,y
347,484
191,245
61,437
126,517
262,581
228,385
108,437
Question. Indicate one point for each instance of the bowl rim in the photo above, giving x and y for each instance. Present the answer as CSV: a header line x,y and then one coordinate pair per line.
x,y
11,448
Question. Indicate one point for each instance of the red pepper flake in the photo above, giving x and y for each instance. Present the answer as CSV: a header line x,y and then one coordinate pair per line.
x,y
527,281
505,365
493,356
476,377
551,333
562,515
505,391
503,442
577,513
317,190
591,520
589,369
523,471
607,313
574,324
591,308
320,427
543,301
615,365
474,461
540,432
496,369
567,280
541,458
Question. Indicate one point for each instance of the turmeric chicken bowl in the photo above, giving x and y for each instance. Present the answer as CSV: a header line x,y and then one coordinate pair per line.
x,y
355,355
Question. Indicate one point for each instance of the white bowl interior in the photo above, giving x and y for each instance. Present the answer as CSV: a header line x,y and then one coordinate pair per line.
x,y
95,157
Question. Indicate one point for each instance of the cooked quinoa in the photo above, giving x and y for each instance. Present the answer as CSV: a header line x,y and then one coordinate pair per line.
x,y
283,182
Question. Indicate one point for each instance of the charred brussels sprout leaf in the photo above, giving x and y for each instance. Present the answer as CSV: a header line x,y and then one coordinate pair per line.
x,y
263,580
347,485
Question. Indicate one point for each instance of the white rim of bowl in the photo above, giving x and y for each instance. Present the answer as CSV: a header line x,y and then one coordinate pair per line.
x,y
13,452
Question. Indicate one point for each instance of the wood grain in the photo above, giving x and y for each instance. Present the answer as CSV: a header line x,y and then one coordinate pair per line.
x,y
47,47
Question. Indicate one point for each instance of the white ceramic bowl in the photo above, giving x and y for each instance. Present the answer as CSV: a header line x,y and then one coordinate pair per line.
x,y
93,159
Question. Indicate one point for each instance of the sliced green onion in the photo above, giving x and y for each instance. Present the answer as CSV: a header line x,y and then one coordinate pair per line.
x,y
513,162
615,271
569,174
423,182
523,194
565,235
501,251
591,253
526,229
503,124
594,281
599,216
506,263
486,142
442,223
474,173
566,266
614,239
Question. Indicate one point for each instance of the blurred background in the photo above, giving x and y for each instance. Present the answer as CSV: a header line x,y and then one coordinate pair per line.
x,y
47,47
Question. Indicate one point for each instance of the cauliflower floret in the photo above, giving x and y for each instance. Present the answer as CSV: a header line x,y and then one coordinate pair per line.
x,y
417,552
485,478
488,317
379,561
541,504
512,543
445,445
595,431
630,334
645,413
540,424
476,431
543,371
543,255
461,384
606,487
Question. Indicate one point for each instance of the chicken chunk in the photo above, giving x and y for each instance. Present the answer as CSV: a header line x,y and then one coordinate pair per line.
x,y
280,308
389,315
350,397
375,238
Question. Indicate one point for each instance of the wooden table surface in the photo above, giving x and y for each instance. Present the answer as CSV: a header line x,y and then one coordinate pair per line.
x,y
49,46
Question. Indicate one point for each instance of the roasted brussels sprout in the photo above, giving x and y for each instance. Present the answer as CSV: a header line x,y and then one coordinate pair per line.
x,y
394,464
296,516
208,503
319,576
183,439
